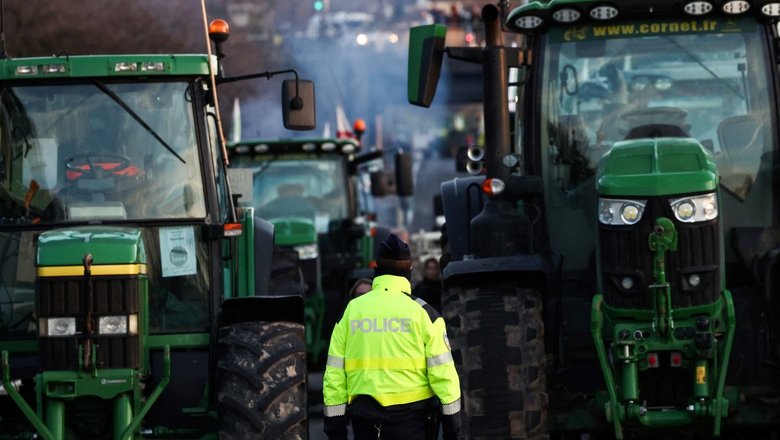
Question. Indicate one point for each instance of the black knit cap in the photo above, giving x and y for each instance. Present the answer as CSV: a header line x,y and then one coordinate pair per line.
x,y
393,258
393,248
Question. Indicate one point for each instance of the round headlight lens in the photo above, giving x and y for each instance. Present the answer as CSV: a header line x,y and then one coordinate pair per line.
x,y
606,214
685,210
629,213
710,209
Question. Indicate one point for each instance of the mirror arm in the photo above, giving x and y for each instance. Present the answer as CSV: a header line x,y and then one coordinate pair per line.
x,y
297,102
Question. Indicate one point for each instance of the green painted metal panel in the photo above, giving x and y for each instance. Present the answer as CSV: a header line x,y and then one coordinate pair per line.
x,y
657,167
106,384
107,244
89,66
426,44
178,340
293,231
245,265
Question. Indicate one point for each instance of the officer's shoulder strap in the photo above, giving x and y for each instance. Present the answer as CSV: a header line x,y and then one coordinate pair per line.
x,y
432,313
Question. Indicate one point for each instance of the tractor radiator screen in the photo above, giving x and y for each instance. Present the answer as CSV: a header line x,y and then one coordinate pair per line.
x,y
627,261
114,296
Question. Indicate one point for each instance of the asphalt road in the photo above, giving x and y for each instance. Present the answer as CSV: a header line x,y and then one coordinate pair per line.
x,y
315,408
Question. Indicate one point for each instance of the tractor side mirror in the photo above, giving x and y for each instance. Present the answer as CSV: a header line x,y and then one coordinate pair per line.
x,y
426,52
380,184
298,104
404,180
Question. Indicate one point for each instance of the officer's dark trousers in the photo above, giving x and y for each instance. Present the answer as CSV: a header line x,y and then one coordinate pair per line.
x,y
399,422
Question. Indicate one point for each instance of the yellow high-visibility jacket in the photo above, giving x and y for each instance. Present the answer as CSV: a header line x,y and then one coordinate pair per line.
x,y
393,347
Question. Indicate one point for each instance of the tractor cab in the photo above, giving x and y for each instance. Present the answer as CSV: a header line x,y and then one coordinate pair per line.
x,y
102,153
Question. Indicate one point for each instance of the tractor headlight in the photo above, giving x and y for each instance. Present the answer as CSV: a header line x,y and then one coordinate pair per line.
x,y
118,324
307,251
620,212
695,209
112,325
55,327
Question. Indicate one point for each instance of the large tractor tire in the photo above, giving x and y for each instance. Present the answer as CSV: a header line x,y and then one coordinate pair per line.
x,y
261,381
497,337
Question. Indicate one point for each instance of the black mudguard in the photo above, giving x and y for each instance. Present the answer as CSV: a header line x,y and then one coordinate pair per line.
x,y
538,270
261,308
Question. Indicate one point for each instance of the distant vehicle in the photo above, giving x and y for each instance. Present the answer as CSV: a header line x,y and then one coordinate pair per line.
x,y
315,192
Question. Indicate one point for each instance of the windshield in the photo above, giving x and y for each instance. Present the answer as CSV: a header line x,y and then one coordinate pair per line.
x,y
311,187
705,79
98,151
701,79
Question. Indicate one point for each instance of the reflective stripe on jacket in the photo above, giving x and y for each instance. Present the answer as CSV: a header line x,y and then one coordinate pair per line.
x,y
391,346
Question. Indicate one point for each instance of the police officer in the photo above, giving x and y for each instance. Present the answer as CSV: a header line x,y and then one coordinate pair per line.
x,y
390,369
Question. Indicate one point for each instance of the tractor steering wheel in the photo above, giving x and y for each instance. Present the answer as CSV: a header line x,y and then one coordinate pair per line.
x,y
96,165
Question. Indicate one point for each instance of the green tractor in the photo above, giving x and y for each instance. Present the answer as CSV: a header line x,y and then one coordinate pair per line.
x,y
129,307
630,170
318,193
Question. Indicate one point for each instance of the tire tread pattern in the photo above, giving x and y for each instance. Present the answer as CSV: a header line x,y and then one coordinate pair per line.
x,y
497,336
261,381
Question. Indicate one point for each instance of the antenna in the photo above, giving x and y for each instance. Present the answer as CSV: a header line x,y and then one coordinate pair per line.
x,y
2,30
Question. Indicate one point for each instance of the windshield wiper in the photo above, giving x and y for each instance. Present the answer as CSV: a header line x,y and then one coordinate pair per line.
x,y
111,94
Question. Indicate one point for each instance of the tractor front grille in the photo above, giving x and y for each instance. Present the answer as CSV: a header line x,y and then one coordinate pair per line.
x,y
67,297
625,252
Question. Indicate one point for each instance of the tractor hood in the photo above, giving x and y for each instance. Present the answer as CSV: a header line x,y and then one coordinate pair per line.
x,y
291,231
107,245
657,167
